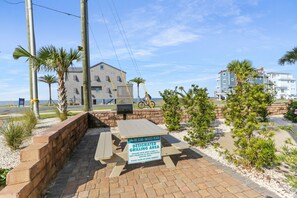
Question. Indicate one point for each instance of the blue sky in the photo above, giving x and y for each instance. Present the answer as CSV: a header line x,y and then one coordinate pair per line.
x,y
174,42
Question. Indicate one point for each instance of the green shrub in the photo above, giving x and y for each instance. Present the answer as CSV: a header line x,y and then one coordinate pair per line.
x,y
292,111
14,134
3,173
171,109
289,157
244,105
61,115
30,122
201,112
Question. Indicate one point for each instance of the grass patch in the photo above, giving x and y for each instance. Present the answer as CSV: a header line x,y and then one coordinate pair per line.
x,y
14,134
30,122
48,115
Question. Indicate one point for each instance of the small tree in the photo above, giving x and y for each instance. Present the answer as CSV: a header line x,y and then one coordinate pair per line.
x,y
49,79
201,112
244,105
171,109
50,58
138,81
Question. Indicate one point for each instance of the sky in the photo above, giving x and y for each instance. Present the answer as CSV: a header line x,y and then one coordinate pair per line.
x,y
166,42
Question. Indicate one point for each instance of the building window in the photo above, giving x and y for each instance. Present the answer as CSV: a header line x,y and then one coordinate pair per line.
x,y
75,78
101,67
107,79
75,90
119,78
97,89
97,78
224,74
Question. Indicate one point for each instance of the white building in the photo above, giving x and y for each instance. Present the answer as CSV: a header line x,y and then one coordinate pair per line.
x,y
284,84
104,82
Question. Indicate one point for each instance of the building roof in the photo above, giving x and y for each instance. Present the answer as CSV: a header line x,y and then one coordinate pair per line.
x,y
278,73
79,69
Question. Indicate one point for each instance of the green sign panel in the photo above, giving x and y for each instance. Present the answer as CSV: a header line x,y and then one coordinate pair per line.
x,y
144,149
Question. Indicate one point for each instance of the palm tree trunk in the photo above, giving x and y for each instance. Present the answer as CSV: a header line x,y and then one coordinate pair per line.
x,y
138,91
62,98
50,94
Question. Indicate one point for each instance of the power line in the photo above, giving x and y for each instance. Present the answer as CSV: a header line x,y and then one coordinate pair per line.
x,y
44,7
123,34
96,43
55,10
127,41
117,57
13,3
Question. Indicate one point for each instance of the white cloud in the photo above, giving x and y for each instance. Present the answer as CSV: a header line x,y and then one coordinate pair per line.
x,y
194,80
5,56
242,20
173,36
155,65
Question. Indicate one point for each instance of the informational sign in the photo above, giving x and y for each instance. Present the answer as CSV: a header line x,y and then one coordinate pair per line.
x,y
144,149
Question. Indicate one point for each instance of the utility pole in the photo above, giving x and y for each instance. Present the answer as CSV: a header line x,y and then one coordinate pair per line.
x,y
85,55
30,62
32,49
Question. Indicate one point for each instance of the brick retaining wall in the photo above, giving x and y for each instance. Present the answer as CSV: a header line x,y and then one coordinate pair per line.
x,y
44,158
109,118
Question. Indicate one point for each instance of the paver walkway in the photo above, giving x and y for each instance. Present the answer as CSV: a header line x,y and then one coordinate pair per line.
x,y
194,176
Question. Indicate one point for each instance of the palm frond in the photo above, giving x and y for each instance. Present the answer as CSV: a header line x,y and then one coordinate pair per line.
x,y
290,57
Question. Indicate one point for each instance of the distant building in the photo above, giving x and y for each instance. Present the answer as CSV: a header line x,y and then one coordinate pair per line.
x,y
226,82
104,81
284,84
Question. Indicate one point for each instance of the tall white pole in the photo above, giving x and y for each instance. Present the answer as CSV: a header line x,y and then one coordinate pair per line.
x,y
32,49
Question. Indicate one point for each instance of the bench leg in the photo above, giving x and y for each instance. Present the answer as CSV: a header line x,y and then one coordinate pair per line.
x,y
116,171
168,162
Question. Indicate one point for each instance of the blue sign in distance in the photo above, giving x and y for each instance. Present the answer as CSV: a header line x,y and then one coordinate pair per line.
x,y
144,149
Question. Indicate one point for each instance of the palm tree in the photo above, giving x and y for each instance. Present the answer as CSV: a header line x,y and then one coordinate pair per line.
x,y
290,57
138,81
243,70
50,58
49,79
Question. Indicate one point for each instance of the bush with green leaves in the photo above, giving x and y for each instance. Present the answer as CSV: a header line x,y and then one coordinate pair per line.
x,y
292,111
13,133
201,112
244,105
61,115
171,109
289,157
3,173
30,122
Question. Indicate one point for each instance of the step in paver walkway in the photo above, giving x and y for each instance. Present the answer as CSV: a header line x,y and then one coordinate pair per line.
x,y
194,176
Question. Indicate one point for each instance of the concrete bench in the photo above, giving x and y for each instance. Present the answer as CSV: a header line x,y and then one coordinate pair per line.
x,y
176,143
104,149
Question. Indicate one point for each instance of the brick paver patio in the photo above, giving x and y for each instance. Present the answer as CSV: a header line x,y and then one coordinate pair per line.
x,y
194,176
